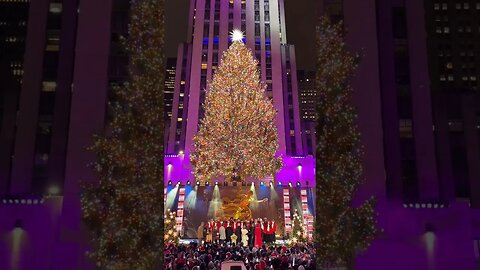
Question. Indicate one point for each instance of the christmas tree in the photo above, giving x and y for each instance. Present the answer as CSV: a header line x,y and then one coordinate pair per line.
x,y
298,229
342,230
237,137
124,210
170,228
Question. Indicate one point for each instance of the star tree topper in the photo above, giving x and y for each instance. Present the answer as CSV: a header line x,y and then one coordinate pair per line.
x,y
236,35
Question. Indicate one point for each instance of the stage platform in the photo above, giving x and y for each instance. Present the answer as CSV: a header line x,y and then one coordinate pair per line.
x,y
195,204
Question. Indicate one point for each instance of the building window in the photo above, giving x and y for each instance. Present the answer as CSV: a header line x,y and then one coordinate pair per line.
x,y
455,126
405,128
55,8
53,41
399,23
49,86
476,245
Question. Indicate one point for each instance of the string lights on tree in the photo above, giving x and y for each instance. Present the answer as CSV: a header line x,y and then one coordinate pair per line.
x,y
170,228
298,229
124,210
237,136
342,230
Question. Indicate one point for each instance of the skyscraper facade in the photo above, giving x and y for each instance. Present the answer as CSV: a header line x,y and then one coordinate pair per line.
x,y
417,107
168,94
64,56
263,24
306,88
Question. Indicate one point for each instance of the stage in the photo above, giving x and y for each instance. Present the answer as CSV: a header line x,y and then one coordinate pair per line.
x,y
194,204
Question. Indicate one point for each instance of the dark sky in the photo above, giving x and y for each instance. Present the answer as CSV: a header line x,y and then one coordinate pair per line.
x,y
300,19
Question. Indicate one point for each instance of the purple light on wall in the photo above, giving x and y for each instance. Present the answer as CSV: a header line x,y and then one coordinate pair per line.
x,y
295,169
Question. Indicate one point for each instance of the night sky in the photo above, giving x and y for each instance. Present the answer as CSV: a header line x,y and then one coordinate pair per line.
x,y
300,18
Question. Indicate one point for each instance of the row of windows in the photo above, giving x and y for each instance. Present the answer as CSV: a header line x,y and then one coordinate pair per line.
x,y
460,29
461,54
20,23
464,78
458,6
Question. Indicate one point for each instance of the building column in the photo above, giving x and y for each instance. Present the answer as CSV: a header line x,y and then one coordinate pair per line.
x,y
469,103
362,38
195,75
7,133
87,115
277,88
56,164
442,141
421,101
25,137
296,102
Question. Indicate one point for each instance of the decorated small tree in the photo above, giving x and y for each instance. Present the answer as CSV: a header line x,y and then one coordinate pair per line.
x,y
170,228
298,229
237,137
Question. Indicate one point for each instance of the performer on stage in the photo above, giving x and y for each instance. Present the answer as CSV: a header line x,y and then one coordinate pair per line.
x,y
251,233
215,234
244,236
263,225
268,233
258,235
229,230
274,231
200,233
223,235
238,232
209,236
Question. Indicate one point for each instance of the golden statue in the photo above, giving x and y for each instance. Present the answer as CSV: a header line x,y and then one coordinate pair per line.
x,y
239,207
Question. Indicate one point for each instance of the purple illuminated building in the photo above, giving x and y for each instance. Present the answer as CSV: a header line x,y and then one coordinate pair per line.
x,y
418,107
68,55
263,24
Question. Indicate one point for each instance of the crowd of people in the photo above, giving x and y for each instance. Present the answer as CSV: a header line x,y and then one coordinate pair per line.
x,y
251,233
211,255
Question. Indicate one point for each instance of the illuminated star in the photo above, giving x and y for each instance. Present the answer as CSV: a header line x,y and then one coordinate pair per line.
x,y
236,35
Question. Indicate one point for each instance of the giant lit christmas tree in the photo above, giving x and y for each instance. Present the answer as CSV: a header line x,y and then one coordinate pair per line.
x,y
237,137
124,210
342,230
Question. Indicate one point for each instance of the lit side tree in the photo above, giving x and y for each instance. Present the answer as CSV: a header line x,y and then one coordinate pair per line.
x,y
124,210
170,228
342,230
237,136
298,229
